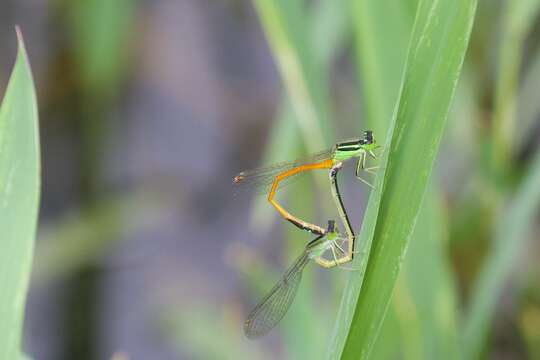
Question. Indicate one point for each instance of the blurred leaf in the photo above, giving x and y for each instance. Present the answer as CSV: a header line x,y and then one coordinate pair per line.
x,y
427,286
460,146
19,199
282,145
285,25
424,300
530,328
81,239
329,29
77,240
518,18
510,239
382,30
408,320
208,332
101,34
437,48
528,104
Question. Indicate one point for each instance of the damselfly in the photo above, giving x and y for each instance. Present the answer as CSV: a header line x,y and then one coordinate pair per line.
x,y
271,178
275,304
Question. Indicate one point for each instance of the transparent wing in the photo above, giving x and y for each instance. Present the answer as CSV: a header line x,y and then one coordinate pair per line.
x,y
259,180
275,304
340,248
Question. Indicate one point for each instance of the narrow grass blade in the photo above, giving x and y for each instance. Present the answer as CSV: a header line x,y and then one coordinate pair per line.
x,y
436,51
19,199
101,33
528,105
285,25
382,31
329,27
518,18
510,238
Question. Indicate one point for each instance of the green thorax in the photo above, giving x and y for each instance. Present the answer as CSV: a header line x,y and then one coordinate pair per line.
x,y
322,244
344,155
349,149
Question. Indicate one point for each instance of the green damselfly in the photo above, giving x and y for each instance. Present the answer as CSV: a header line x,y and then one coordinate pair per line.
x,y
271,178
275,304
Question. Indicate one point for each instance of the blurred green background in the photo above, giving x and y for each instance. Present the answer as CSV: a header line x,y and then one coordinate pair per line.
x,y
149,108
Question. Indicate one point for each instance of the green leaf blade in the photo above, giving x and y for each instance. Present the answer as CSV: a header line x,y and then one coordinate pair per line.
x,y
436,52
19,199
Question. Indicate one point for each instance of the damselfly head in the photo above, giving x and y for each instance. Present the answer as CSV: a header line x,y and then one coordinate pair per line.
x,y
354,145
332,230
368,138
331,226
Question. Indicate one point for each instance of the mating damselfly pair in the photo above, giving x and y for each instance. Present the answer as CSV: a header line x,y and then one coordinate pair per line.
x,y
270,179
